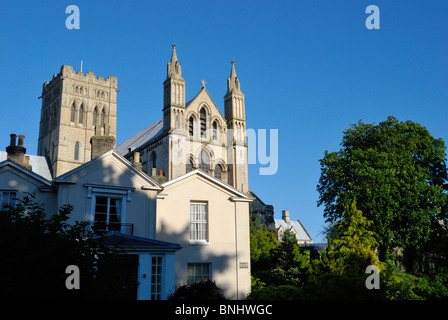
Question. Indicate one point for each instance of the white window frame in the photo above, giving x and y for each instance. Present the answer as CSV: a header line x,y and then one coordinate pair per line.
x,y
101,191
158,276
194,264
195,237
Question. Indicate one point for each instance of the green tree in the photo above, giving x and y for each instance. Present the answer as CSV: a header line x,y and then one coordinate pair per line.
x,y
262,244
340,274
397,172
354,242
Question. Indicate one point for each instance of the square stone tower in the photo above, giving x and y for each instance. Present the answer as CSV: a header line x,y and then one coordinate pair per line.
x,y
72,104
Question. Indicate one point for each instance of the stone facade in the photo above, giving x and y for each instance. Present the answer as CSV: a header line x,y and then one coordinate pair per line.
x,y
72,103
195,134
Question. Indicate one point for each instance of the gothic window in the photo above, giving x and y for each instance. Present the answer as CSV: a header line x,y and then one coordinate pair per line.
x,y
204,161
191,126
76,155
203,117
218,172
215,130
81,114
103,116
95,116
73,113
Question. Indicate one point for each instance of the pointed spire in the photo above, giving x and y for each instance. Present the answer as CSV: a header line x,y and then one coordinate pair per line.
x,y
174,55
174,70
233,84
233,72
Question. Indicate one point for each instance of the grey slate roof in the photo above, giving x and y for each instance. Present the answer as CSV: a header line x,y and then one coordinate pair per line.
x,y
39,165
145,136
301,233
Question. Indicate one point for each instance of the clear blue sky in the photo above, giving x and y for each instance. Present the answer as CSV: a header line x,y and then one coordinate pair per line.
x,y
307,68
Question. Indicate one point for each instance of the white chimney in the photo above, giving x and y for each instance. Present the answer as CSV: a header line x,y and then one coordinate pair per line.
x,y
285,216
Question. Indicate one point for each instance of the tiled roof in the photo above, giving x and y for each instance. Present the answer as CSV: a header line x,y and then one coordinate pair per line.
x,y
143,137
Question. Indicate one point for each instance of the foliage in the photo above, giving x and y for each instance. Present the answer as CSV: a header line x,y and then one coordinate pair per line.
x,y
397,172
262,244
276,264
36,250
202,290
283,292
340,274
405,286
354,242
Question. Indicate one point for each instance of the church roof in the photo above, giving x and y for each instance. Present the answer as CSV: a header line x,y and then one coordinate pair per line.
x,y
142,138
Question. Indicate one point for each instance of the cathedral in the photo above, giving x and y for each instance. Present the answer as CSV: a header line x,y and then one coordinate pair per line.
x,y
175,196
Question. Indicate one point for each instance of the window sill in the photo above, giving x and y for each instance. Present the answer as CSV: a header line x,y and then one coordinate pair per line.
x,y
199,243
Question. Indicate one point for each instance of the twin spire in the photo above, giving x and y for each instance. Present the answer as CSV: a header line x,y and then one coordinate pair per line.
x,y
175,72
233,84
174,68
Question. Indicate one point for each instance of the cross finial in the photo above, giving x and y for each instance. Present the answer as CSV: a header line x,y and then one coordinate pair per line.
x,y
203,83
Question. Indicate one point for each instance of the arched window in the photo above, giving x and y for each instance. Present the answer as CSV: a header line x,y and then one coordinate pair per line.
x,y
191,126
203,117
103,116
73,113
81,114
218,171
95,116
215,130
76,155
204,161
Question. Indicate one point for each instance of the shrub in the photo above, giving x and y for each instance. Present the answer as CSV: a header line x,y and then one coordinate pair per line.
x,y
203,290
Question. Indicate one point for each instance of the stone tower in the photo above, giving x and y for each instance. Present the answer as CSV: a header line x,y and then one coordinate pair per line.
x,y
173,95
235,115
72,104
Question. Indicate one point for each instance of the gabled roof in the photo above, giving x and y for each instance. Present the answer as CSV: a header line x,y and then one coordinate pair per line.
x,y
239,196
142,138
112,153
201,92
301,233
24,170
135,243
39,165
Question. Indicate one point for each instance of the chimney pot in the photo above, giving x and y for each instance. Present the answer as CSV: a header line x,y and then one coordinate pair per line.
x,y
161,173
13,140
21,138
